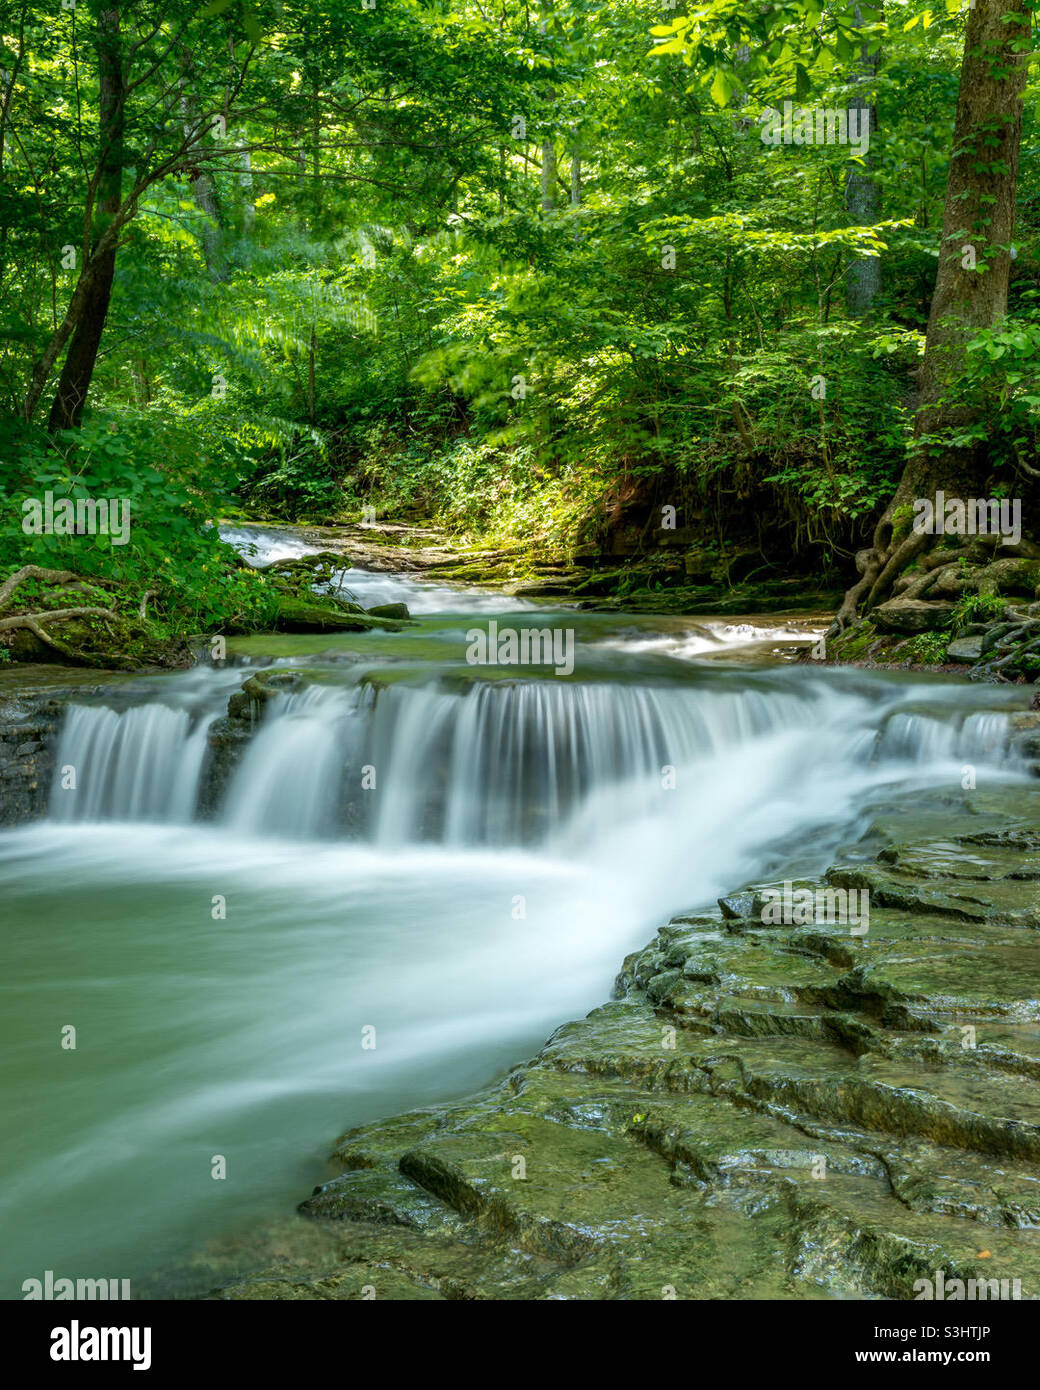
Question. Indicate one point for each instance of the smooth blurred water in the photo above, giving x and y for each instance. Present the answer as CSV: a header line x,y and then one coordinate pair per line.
x,y
263,546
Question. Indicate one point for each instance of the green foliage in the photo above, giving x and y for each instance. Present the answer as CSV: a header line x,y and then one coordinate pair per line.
x,y
975,608
173,552
359,293
926,649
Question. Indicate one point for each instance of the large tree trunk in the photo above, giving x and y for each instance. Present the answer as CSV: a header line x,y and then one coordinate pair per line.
x,y
76,373
979,213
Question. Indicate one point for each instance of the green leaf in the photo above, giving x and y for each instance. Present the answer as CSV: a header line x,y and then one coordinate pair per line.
x,y
721,87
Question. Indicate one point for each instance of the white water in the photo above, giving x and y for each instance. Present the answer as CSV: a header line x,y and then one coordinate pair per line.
x,y
714,637
262,547
508,763
142,764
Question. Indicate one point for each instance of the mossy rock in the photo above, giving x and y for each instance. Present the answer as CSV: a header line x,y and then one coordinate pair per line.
x,y
390,610
258,689
121,644
296,614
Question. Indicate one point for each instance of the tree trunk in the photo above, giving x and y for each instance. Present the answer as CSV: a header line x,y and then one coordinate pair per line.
x,y
204,191
548,167
316,184
548,175
979,214
142,386
246,184
96,280
862,194
203,184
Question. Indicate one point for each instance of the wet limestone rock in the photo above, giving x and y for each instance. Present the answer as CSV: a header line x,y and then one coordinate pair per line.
x,y
257,690
911,615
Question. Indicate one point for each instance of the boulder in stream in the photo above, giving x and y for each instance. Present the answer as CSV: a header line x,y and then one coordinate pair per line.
x,y
319,614
967,649
389,610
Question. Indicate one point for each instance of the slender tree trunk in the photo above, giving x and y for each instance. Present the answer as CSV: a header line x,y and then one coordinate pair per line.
x,y
978,222
203,186
316,184
246,184
576,191
204,191
548,175
142,386
548,168
96,281
862,193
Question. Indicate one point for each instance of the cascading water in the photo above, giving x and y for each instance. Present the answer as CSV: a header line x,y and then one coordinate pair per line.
x,y
922,738
141,764
457,864
262,546
498,764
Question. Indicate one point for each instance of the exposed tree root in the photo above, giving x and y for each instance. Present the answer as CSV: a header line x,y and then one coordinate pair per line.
x,y
33,622
64,577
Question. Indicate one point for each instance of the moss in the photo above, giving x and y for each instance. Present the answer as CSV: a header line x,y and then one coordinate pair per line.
x,y
314,615
853,643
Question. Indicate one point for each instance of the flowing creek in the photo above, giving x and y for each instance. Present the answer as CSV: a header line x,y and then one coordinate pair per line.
x,y
524,832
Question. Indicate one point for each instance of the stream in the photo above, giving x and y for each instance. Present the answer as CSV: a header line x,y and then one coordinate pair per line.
x,y
442,859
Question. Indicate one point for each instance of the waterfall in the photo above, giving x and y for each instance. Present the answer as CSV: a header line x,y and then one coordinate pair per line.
x,y
921,738
509,764
458,864
496,764
143,763
402,846
291,777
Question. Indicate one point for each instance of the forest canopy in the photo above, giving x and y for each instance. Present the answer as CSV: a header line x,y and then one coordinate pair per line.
x,y
526,273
